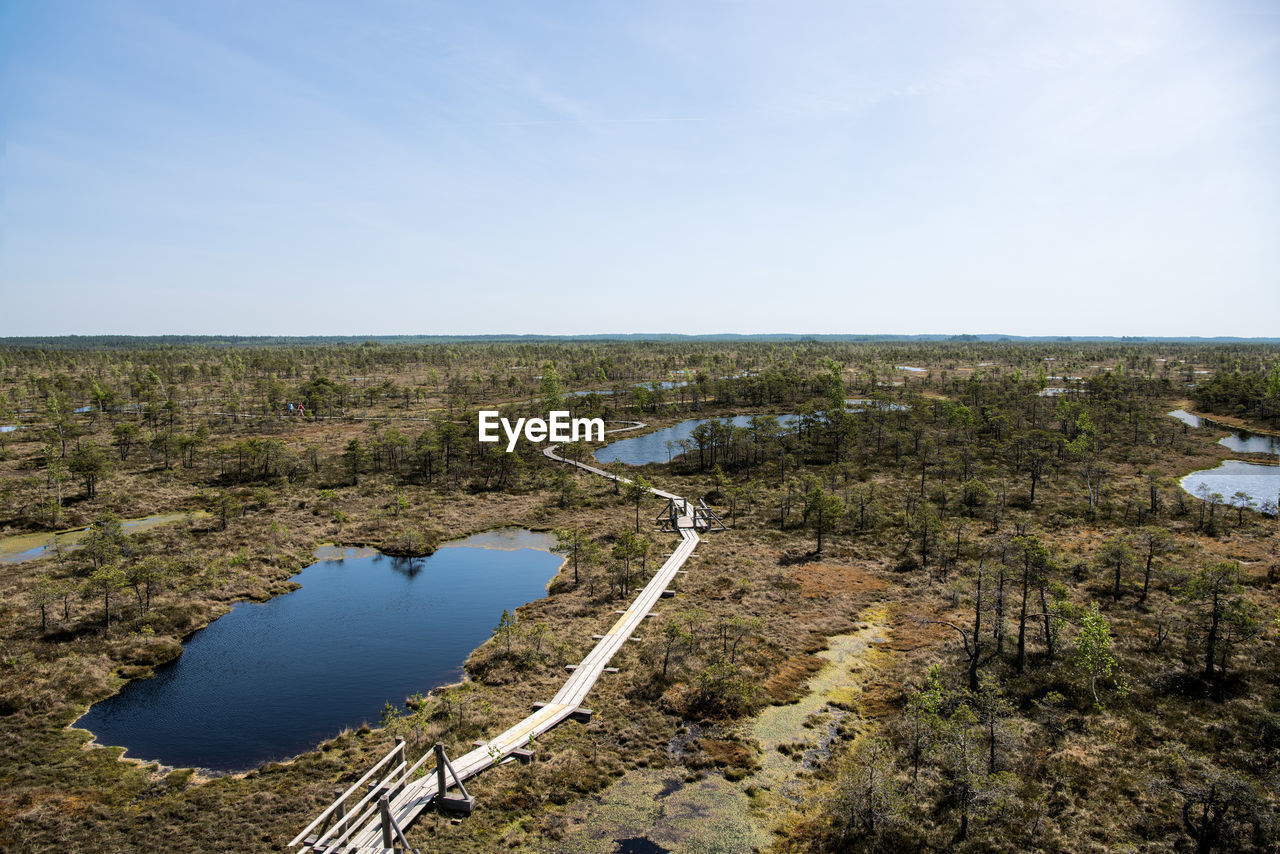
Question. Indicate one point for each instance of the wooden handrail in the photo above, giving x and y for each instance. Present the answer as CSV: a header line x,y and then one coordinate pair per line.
x,y
357,784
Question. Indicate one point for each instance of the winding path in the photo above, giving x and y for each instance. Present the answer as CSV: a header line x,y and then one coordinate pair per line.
x,y
360,827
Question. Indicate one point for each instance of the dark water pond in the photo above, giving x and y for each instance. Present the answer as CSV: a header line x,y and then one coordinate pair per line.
x,y
271,680
652,447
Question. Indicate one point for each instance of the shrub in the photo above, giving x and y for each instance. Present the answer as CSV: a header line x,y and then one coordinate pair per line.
x,y
723,692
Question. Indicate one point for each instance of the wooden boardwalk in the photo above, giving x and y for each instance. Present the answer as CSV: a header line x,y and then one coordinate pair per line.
x,y
394,798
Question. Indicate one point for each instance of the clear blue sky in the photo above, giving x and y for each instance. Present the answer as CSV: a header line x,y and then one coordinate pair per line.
x,y
1074,167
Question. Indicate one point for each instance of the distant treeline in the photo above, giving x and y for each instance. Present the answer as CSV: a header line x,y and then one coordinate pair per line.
x,y
144,342
341,377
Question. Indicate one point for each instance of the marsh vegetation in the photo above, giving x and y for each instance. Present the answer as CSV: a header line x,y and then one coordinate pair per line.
x,y
1072,651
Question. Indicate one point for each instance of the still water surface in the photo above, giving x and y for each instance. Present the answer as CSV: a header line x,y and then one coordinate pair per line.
x,y
24,547
1251,443
1241,441
652,447
270,680
1239,483
862,404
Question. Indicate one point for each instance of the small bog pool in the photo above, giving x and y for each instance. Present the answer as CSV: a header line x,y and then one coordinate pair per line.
x,y
1240,484
1240,440
1245,442
24,547
654,448
271,680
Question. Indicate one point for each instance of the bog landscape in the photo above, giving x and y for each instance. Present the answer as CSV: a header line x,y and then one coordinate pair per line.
x,y
909,596
678,427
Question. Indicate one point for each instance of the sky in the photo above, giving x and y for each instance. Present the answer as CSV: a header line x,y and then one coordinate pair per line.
x,y
1082,167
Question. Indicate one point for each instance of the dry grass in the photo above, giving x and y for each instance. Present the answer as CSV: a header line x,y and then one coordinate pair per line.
x,y
822,580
